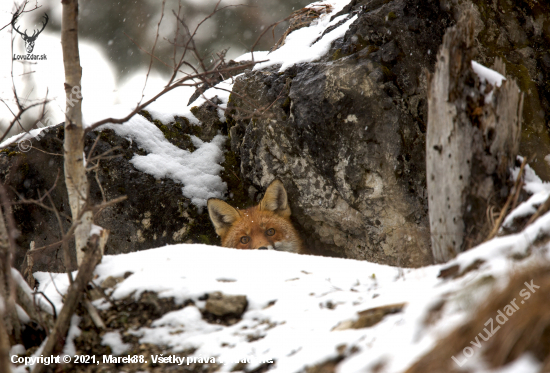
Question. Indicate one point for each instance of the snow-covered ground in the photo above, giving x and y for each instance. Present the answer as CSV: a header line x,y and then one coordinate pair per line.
x,y
299,305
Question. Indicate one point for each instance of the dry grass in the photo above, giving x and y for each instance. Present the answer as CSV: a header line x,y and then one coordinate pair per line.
x,y
526,330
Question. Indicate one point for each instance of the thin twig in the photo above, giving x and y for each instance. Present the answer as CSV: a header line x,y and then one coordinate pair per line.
x,y
164,91
103,155
94,315
152,52
22,10
540,211
502,214
45,152
48,300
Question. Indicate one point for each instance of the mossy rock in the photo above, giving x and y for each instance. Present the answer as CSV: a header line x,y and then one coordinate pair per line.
x,y
177,133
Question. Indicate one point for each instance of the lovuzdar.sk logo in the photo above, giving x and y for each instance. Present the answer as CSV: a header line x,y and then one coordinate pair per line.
x,y
29,40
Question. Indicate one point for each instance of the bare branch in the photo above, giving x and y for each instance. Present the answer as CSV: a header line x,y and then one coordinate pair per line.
x,y
191,37
48,300
20,114
6,206
500,219
153,51
20,10
164,91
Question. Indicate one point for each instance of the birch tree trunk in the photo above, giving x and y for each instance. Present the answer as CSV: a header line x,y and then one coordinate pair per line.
x,y
472,141
75,167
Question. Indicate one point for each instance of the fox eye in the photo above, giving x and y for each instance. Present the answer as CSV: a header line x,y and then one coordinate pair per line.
x,y
245,239
270,232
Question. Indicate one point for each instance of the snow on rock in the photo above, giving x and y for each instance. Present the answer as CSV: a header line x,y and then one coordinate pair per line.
x,y
21,137
532,184
166,107
197,171
222,91
302,45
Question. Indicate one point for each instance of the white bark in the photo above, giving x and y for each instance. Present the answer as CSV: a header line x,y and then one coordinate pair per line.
x,y
471,142
75,168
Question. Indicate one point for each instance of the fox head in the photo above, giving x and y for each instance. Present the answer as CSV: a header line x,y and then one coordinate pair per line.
x,y
266,226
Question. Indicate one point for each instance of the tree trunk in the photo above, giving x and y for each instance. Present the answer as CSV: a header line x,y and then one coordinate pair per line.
x,y
9,323
472,141
7,288
5,365
75,167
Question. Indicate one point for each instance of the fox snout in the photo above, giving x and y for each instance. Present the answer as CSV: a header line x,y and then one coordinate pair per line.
x,y
266,226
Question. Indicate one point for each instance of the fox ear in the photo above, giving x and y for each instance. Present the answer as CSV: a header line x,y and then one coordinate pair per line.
x,y
275,199
221,214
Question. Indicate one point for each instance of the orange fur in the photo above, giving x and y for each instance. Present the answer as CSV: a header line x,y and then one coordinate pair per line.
x,y
265,226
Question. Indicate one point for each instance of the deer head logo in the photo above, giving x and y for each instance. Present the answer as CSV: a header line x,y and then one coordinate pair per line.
x,y
29,40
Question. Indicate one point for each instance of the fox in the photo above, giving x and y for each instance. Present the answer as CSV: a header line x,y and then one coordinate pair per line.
x,y
266,226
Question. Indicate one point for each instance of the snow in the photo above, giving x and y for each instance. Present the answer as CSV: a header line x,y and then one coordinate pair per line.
x,y
58,284
296,301
299,305
525,364
198,171
222,91
301,45
74,331
532,184
487,75
114,340
95,230
35,133
166,107
17,350
254,56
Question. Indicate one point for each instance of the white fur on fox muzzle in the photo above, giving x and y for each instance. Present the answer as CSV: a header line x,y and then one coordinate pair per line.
x,y
284,246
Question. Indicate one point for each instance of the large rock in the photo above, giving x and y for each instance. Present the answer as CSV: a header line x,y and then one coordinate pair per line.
x,y
154,214
346,135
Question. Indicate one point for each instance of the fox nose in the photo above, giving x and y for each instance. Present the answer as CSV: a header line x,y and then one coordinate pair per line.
x,y
262,248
